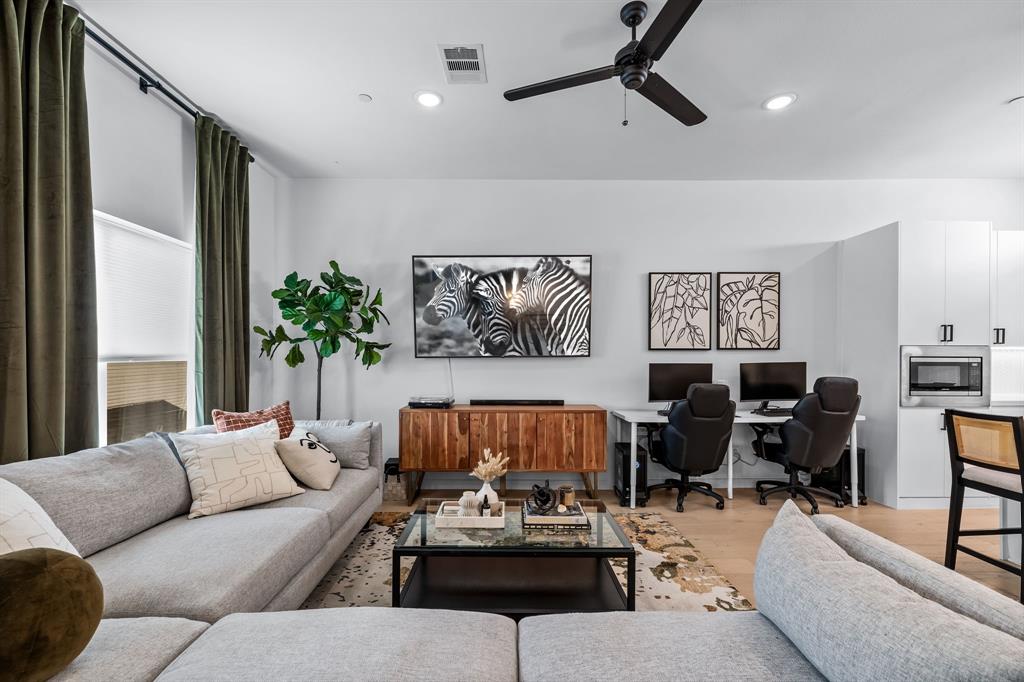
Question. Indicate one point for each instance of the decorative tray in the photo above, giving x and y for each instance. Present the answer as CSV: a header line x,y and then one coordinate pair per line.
x,y
449,520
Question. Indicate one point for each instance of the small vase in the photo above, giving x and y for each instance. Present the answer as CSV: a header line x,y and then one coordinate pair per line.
x,y
468,505
487,491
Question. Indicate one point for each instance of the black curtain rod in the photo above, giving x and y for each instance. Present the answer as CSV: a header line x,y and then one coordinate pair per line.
x,y
146,81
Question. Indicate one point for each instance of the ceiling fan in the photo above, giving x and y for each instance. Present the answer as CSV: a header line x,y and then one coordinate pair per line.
x,y
633,62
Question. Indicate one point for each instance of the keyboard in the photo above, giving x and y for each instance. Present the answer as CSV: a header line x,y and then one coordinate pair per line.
x,y
775,412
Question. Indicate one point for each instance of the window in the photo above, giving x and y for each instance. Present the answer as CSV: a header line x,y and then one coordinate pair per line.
x,y
145,317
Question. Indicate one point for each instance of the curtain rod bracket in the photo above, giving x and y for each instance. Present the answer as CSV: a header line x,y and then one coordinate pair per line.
x,y
145,84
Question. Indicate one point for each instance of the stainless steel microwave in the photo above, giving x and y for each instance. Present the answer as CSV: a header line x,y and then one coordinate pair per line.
x,y
944,376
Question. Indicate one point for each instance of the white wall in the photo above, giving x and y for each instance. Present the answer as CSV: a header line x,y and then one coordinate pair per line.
x,y
373,227
143,170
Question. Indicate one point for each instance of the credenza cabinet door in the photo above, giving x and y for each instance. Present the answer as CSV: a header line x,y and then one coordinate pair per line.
x,y
968,255
514,434
571,441
435,440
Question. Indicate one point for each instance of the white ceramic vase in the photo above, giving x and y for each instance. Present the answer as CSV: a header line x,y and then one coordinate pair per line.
x,y
468,505
487,491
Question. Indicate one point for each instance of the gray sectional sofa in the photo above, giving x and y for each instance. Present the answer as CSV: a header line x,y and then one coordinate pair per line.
x,y
836,602
124,507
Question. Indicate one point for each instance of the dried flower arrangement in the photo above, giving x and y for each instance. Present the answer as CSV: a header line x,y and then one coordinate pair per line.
x,y
490,467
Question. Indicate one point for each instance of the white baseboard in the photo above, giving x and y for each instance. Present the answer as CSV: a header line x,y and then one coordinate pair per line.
x,y
943,503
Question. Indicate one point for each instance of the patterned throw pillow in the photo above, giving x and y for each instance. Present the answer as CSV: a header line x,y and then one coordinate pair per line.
x,y
233,421
25,525
308,459
233,470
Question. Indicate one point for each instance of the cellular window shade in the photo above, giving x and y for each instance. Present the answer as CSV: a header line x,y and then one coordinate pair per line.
x,y
144,286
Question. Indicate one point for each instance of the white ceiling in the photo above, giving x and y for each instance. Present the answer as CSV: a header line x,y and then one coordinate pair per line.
x,y
887,88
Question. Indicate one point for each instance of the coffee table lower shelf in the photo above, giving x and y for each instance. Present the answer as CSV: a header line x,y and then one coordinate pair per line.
x,y
514,586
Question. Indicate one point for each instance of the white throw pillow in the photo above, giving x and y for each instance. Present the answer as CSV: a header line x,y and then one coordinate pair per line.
x,y
26,525
308,459
234,469
350,443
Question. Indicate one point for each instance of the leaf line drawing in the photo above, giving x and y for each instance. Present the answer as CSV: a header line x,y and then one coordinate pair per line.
x,y
680,311
748,310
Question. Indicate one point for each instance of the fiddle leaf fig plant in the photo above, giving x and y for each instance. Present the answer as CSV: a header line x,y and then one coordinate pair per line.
x,y
339,308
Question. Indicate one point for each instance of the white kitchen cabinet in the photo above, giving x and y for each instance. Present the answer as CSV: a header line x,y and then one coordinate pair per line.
x,y
968,254
944,276
1008,287
924,469
922,273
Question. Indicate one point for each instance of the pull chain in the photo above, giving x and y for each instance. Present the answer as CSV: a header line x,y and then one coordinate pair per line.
x,y
625,118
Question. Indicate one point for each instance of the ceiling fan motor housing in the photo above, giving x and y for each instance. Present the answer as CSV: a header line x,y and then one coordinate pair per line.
x,y
633,65
633,76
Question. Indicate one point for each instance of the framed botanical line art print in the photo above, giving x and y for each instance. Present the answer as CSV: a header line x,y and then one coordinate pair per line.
x,y
679,305
749,310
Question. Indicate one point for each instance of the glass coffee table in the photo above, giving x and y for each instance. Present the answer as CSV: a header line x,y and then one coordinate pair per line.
x,y
513,571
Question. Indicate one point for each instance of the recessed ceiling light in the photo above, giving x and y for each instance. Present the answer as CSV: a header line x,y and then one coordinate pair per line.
x,y
428,99
779,102
365,98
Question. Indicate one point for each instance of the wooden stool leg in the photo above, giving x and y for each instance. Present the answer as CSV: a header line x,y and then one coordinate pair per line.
x,y
956,507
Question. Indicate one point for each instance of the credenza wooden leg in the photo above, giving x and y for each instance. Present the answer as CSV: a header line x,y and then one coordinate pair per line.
x,y
413,483
503,486
591,486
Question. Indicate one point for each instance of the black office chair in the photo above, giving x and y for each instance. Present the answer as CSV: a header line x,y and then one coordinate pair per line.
x,y
813,440
696,440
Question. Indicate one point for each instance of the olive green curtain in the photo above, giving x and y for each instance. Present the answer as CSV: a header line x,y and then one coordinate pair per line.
x,y
48,356
222,271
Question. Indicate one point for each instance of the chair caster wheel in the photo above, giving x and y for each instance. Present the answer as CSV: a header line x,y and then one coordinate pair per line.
x,y
761,500
679,508
840,505
720,505
814,510
641,504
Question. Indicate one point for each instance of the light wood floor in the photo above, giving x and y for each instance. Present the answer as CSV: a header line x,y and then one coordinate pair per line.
x,y
729,538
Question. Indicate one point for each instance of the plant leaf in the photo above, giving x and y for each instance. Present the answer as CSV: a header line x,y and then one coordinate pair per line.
x,y
295,356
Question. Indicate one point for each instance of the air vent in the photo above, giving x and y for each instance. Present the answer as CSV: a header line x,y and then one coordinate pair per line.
x,y
463,63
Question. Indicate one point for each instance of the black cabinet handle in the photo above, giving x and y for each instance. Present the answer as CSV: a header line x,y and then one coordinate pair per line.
x,y
1002,336
950,333
943,328
995,330
942,416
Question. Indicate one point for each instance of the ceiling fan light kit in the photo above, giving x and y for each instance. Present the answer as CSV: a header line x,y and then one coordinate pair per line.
x,y
633,63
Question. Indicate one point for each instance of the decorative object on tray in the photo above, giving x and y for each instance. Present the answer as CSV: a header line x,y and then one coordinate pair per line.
x,y
680,311
449,515
566,497
543,499
487,469
572,518
467,504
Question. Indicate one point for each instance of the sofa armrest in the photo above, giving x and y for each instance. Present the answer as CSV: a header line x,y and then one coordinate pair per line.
x,y
377,451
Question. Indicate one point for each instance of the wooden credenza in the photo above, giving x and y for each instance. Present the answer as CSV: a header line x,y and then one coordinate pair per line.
x,y
534,438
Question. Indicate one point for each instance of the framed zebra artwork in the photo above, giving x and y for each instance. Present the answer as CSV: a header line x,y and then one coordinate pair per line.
x,y
501,306
749,309
680,311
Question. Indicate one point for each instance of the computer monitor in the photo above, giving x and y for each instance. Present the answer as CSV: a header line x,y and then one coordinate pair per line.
x,y
766,381
669,381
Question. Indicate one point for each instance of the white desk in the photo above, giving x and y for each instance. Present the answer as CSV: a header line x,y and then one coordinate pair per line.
x,y
636,417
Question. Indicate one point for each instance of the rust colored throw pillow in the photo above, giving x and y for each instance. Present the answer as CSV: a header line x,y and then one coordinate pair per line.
x,y
236,421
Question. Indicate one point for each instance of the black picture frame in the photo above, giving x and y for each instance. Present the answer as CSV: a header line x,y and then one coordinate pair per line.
x,y
723,330
675,332
416,345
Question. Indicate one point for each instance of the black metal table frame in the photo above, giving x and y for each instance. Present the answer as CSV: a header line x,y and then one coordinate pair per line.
x,y
626,552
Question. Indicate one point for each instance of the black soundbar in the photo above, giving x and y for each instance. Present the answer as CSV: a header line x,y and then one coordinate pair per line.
x,y
497,401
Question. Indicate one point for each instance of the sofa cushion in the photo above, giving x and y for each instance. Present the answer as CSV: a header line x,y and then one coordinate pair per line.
x,y
206,568
131,649
929,579
233,470
101,496
353,644
351,488
307,459
657,646
26,525
855,623
349,443
235,421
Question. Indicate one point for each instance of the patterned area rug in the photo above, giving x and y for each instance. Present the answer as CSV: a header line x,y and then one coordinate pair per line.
x,y
672,575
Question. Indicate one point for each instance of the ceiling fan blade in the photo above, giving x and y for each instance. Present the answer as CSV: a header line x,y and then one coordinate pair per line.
x,y
658,90
666,26
592,76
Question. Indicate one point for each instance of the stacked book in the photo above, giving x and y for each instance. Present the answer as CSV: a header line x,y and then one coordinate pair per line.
x,y
573,518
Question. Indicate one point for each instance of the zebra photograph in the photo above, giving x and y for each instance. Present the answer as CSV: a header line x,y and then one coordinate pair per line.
x,y
501,306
